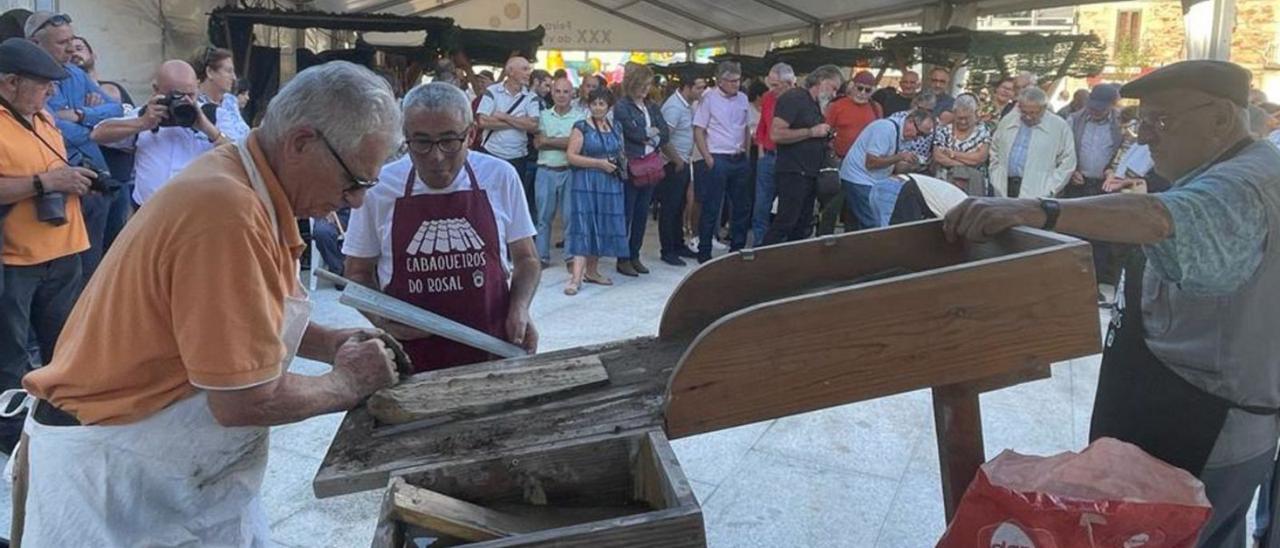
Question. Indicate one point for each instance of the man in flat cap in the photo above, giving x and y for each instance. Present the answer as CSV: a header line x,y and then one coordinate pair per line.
x,y
44,230
1191,365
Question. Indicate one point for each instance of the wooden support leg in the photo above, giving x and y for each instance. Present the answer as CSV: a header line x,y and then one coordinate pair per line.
x,y
958,418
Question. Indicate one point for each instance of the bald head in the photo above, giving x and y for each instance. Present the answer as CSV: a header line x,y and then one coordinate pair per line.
x,y
176,76
517,72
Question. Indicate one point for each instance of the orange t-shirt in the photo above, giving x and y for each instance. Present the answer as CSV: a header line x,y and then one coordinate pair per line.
x,y
190,295
27,241
849,119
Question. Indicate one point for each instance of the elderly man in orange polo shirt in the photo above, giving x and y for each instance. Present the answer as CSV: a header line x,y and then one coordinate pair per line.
x,y
44,231
150,425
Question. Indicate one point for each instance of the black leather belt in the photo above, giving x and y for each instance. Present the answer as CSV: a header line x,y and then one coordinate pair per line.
x,y
45,413
554,168
737,156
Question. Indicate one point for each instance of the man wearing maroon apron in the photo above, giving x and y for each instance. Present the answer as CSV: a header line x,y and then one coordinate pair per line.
x,y
444,230
1191,366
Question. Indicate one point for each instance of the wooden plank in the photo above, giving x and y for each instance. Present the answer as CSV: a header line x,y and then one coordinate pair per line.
x,y
950,325
736,281
380,304
957,416
447,515
453,394
658,479
674,528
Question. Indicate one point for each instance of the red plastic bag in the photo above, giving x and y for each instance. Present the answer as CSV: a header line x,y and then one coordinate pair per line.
x,y
1112,494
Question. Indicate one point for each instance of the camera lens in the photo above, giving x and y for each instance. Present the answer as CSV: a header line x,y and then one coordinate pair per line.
x,y
183,113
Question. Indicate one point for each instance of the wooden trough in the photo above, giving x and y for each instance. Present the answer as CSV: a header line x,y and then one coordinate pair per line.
x,y
751,336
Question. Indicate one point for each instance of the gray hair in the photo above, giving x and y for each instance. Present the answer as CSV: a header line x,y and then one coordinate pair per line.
x,y
966,103
920,115
784,72
438,97
924,98
822,74
728,68
1033,95
1028,76
341,100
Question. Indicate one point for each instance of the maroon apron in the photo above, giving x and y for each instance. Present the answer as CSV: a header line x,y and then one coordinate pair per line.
x,y
447,258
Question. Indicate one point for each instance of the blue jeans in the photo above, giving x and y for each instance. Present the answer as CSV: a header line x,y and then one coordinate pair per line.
x,y
884,197
766,191
552,190
731,177
858,198
325,236
637,199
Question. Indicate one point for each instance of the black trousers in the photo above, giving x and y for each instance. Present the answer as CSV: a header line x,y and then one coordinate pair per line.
x,y
671,199
794,220
36,299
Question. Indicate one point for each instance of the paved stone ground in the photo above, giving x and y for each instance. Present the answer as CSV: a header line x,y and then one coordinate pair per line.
x,y
860,475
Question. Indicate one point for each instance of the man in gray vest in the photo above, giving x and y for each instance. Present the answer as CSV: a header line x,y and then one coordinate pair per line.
x,y
1191,365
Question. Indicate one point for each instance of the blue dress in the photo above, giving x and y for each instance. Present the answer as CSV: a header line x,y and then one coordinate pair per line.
x,y
597,214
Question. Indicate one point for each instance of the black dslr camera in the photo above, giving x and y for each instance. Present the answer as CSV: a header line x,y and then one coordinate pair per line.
x,y
182,111
51,207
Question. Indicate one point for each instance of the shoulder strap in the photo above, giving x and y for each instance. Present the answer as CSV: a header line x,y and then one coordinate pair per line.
x,y
31,128
897,135
488,132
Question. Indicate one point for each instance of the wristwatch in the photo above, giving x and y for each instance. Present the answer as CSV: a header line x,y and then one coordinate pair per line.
x,y
1052,209
38,184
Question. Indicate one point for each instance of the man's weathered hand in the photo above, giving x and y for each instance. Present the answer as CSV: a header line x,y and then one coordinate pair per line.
x,y
71,180
1077,178
520,330
154,113
1116,184
367,366
981,218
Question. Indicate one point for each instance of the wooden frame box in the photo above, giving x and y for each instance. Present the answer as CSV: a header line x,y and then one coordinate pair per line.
x,y
774,332
618,491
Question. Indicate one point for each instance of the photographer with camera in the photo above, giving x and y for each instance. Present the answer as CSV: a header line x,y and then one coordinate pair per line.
x,y
44,230
166,134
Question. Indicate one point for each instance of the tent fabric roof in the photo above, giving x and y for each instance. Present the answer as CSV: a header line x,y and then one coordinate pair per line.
x,y
706,21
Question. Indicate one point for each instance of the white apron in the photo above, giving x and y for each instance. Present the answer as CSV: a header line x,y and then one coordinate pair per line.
x,y
176,478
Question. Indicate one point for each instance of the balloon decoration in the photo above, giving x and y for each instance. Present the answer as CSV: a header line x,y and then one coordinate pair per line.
x,y
555,60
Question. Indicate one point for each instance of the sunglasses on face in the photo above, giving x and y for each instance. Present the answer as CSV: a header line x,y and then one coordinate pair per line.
x,y
864,89
57,20
356,182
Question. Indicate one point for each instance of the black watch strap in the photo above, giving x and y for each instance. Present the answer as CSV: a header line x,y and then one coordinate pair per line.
x,y
38,184
1051,212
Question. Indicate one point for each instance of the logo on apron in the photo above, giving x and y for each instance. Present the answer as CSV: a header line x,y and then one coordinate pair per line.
x,y
477,278
443,236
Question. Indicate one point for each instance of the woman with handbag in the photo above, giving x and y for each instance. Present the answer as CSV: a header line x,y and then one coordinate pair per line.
x,y
597,224
645,136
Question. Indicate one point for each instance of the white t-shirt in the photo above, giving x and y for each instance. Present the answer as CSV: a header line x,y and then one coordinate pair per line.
x,y
369,231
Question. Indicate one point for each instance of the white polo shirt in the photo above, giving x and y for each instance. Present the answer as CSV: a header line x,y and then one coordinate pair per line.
x,y
160,154
508,143
369,230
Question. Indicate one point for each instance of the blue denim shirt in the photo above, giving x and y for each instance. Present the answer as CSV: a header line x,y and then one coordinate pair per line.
x,y
1018,152
70,94
1219,226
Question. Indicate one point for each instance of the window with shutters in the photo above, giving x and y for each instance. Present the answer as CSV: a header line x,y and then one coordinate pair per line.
x,y
1128,29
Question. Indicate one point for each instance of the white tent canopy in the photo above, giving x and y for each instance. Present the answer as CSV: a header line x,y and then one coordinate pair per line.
x,y
677,24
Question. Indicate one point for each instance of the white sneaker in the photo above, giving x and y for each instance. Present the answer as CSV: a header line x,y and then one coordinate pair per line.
x,y
717,245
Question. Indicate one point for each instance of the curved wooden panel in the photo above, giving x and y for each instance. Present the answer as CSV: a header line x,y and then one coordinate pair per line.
x,y
950,325
739,280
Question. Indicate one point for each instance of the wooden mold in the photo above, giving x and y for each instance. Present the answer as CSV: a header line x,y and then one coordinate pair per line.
x,y
619,491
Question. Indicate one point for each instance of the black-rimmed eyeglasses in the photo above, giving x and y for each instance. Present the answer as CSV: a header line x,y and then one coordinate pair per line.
x,y
425,146
356,182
